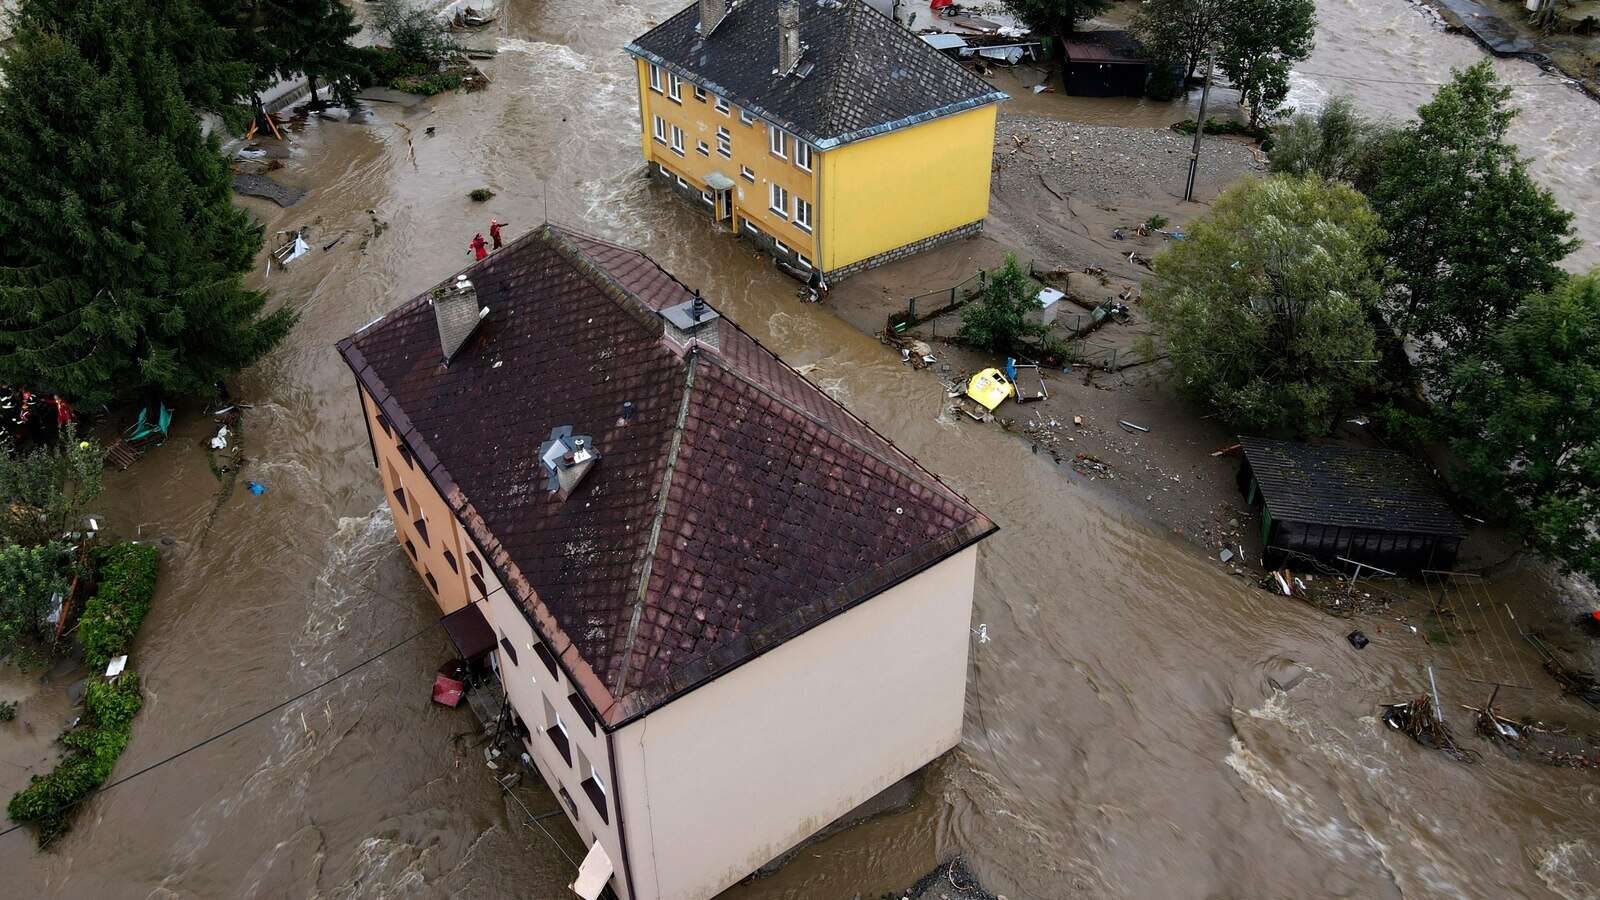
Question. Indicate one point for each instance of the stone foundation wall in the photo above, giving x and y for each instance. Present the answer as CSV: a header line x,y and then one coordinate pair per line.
x,y
915,247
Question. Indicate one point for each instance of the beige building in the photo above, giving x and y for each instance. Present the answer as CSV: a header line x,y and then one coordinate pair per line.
x,y
707,583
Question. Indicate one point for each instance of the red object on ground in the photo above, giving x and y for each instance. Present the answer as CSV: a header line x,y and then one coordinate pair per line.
x,y
479,246
940,4
448,691
63,412
1597,615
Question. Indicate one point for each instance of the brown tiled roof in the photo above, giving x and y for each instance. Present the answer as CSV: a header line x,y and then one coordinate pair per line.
x,y
737,507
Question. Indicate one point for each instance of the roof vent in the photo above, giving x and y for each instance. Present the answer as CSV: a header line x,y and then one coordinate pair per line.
x,y
789,47
457,313
712,12
566,459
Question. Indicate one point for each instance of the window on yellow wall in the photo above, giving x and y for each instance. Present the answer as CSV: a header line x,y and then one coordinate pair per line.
x,y
802,154
674,87
746,118
775,141
723,106
702,148
700,93
802,214
747,174
677,140
779,201
655,78
724,142
660,129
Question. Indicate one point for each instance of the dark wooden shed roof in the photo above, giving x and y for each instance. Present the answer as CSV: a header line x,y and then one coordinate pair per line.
x,y
1380,490
1104,47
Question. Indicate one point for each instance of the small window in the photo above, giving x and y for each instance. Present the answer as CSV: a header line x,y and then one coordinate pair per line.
x,y
706,196
655,78
582,711
400,498
405,454
508,648
700,93
804,263
557,732
748,175
474,561
746,118
802,214
723,106
383,422
677,140
779,201
433,583
411,548
751,227
802,154
780,246
450,560
546,657
682,183
594,787
660,129
674,87
702,148
421,524
477,582
775,142
724,142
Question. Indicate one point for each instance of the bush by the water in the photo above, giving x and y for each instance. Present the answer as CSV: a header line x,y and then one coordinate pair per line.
x,y
92,750
1238,129
31,578
127,577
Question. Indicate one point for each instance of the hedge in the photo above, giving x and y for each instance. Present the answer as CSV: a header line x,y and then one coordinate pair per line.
x,y
50,800
127,578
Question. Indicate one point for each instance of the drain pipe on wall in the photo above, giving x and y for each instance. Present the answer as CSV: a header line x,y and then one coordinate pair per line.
x,y
622,824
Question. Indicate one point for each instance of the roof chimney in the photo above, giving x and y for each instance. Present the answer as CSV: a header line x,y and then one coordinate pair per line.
x,y
788,36
567,458
457,313
712,12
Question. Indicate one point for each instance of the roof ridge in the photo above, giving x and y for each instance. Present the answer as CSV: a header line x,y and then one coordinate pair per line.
x,y
561,241
649,555
826,426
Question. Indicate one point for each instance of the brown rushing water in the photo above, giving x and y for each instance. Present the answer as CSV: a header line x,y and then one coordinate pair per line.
x,y
1121,737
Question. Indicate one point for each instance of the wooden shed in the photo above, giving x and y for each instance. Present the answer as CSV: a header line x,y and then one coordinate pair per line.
x,y
1103,64
1377,507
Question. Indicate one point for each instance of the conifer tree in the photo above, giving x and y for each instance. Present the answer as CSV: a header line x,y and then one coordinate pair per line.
x,y
120,250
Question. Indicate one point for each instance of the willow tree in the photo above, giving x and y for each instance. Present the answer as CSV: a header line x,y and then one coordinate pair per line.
x,y
1264,308
120,271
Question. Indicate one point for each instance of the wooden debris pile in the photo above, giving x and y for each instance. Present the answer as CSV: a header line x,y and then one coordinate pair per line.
x,y
1551,744
1421,720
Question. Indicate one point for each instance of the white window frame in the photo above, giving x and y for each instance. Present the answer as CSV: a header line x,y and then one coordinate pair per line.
x,y
674,88
780,246
724,142
702,148
563,726
655,78
681,182
659,130
776,144
700,93
804,224
747,174
778,200
594,776
804,263
723,106
677,140
802,154
708,198
745,117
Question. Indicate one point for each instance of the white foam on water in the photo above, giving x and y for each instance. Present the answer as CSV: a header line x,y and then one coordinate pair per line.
x,y
1300,810
1571,869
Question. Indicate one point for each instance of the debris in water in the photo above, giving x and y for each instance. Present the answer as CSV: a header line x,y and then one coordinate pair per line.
x,y
1576,682
1420,719
266,188
1130,427
948,881
256,487
1358,639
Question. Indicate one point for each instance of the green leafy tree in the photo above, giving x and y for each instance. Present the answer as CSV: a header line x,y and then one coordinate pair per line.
x,y
45,492
1258,43
998,322
1525,423
414,33
1338,144
1179,32
1264,309
30,580
1470,234
1053,16
121,269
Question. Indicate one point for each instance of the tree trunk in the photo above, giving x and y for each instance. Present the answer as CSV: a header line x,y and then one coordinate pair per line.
x,y
312,80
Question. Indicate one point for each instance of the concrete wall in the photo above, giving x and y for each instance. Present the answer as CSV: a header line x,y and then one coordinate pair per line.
x,y
725,778
899,188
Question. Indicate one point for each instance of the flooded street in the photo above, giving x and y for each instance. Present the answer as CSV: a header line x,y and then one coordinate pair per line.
x,y
1122,737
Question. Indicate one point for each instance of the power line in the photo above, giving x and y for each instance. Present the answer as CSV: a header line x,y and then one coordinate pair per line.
x,y
253,719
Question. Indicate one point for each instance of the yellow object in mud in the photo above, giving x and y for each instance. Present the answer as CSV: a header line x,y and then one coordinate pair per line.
x,y
990,388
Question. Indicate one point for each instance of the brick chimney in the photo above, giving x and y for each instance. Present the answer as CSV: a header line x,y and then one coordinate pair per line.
x,y
712,12
456,311
788,36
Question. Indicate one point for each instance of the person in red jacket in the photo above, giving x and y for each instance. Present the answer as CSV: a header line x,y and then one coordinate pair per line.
x,y
479,247
494,232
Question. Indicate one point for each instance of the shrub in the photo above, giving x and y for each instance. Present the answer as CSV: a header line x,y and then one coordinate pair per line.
x,y
127,575
481,195
44,492
30,579
49,801
998,320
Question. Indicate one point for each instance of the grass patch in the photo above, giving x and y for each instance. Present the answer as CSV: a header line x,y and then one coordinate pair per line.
x,y
127,578
1238,129
50,801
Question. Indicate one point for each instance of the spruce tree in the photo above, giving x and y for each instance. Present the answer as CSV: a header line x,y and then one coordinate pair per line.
x,y
121,253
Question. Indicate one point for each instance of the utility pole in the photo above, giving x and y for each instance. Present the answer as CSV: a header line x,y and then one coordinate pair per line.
x,y
1199,127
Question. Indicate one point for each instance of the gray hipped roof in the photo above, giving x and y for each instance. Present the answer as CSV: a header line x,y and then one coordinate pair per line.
x,y
1379,490
861,74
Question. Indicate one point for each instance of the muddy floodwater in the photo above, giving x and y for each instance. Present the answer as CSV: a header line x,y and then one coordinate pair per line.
x,y
1122,737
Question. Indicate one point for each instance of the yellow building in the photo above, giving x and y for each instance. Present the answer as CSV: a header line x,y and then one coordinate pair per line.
x,y
820,129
